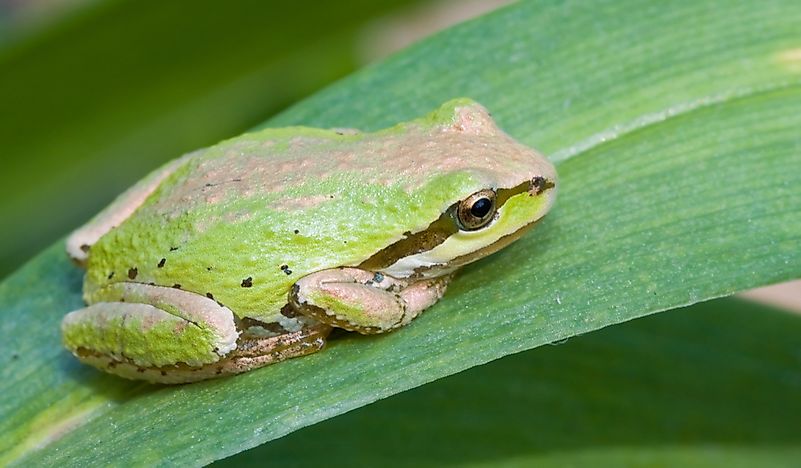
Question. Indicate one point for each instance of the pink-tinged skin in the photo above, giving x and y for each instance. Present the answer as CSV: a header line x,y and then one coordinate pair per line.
x,y
249,252
364,301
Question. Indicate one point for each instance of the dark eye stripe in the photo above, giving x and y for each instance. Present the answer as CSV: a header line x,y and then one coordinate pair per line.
x,y
435,234
427,239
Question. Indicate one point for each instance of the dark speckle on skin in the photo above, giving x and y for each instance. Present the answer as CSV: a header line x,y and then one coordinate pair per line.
x,y
208,268
111,275
162,262
132,272
85,248
173,249
247,282
288,271
297,232
176,286
331,196
163,372
378,277
284,267
210,296
287,310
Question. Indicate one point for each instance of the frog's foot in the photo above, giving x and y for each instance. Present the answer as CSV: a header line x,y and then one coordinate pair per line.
x,y
82,239
363,301
168,335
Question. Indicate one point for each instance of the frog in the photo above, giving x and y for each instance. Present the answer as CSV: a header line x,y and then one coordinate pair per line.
x,y
252,251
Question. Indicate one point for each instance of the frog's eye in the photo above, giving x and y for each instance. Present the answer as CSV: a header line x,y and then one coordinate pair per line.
x,y
476,211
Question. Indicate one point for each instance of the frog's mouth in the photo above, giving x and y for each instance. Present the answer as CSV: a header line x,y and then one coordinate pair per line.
x,y
424,254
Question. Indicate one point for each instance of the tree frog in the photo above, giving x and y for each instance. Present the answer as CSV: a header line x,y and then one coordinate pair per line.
x,y
249,252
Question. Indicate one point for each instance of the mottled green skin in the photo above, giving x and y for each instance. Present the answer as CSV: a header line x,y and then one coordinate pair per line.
x,y
233,214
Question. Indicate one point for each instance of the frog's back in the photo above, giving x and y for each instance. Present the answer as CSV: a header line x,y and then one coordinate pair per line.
x,y
243,220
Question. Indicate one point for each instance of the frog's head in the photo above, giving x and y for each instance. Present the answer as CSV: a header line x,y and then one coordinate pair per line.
x,y
489,188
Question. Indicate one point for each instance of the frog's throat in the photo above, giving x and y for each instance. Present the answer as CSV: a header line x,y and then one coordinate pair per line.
x,y
444,227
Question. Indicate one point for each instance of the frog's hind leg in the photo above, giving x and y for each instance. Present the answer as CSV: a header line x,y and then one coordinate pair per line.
x,y
247,356
82,239
168,335
133,328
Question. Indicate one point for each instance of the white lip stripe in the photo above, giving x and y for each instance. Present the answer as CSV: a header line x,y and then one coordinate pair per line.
x,y
405,267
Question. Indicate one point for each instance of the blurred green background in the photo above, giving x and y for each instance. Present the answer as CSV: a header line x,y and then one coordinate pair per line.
x,y
94,94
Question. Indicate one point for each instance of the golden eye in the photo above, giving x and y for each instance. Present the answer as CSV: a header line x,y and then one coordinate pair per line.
x,y
476,211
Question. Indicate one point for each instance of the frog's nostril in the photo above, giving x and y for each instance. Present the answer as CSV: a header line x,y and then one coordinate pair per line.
x,y
540,184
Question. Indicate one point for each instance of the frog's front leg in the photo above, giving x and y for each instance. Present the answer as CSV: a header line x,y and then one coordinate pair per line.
x,y
168,335
364,301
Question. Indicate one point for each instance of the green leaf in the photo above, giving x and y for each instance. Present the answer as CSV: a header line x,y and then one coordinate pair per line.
x,y
675,125
698,386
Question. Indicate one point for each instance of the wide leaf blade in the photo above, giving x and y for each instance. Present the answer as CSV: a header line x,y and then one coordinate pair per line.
x,y
698,386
